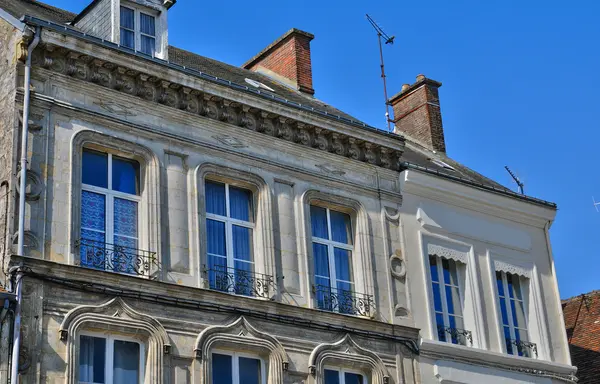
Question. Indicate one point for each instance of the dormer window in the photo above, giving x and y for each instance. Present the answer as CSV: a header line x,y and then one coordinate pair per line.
x,y
138,30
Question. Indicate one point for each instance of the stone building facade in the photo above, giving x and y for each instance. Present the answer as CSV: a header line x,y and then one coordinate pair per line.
x,y
187,221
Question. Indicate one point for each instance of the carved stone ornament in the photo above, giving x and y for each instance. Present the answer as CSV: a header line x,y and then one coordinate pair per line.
x,y
397,265
447,253
33,185
168,93
502,266
230,141
347,351
114,108
330,169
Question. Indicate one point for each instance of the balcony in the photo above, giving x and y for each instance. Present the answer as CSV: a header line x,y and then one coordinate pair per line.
x,y
239,282
521,348
455,335
117,258
343,301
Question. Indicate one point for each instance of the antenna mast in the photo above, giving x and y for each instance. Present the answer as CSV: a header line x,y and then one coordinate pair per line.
x,y
516,179
388,40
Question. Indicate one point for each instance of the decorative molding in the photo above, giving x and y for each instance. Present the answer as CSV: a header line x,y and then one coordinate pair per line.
x,y
115,109
330,169
241,334
115,314
133,82
448,253
503,266
397,265
230,141
33,181
343,352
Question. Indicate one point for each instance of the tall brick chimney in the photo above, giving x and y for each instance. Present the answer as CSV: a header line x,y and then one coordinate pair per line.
x,y
417,113
287,59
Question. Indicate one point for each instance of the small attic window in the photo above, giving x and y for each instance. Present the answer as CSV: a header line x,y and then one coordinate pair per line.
x,y
258,84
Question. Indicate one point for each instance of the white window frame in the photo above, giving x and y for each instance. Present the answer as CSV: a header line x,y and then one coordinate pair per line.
x,y
342,371
229,223
330,250
109,354
509,314
110,196
236,367
137,27
442,283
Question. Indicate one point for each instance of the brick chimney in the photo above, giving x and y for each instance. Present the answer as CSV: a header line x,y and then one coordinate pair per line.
x,y
417,113
287,59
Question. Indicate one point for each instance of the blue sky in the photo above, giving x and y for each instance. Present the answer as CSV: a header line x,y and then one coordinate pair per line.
x,y
521,82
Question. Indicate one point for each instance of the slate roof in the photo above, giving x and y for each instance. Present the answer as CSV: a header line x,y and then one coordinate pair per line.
x,y
582,322
415,156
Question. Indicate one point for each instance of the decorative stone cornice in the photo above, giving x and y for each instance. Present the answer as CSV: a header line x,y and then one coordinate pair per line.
x,y
148,87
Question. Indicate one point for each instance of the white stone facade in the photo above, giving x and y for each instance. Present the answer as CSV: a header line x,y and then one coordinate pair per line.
x,y
183,130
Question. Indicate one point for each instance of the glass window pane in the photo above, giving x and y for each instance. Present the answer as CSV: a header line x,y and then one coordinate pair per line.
x,y
504,311
437,297
242,243
93,211
433,268
332,377
127,18
215,236
453,273
147,24
321,260
215,198
127,39
249,371
439,322
94,170
343,264
509,281
341,230
352,378
218,275
126,362
516,285
499,283
126,217
222,369
318,220
147,45
92,356
240,204
453,299
507,337
125,175
518,314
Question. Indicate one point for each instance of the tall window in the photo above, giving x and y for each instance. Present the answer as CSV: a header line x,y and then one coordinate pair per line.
x,y
110,200
332,251
138,30
334,376
512,310
110,360
236,368
229,227
447,301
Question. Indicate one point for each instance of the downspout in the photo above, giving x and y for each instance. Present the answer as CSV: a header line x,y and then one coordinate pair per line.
x,y
14,373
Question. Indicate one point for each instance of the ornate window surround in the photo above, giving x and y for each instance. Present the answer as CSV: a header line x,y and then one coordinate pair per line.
x,y
463,254
149,236
536,318
361,259
264,243
115,315
240,336
346,353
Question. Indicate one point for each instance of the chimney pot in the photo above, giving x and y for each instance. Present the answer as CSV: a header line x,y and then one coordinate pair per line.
x,y
287,59
417,113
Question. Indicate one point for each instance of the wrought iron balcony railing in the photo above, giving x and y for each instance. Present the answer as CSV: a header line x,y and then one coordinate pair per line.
x,y
455,335
117,258
239,281
521,348
343,301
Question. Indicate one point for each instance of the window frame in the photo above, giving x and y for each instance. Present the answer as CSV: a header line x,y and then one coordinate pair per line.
x,y
137,28
443,284
235,355
229,223
110,195
109,354
341,371
331,245
509,314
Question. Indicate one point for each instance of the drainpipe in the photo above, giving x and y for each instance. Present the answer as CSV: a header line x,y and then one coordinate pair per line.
x,y
14,375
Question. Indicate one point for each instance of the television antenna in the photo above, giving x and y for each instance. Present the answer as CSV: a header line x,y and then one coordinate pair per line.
x,y
387,40
516,179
